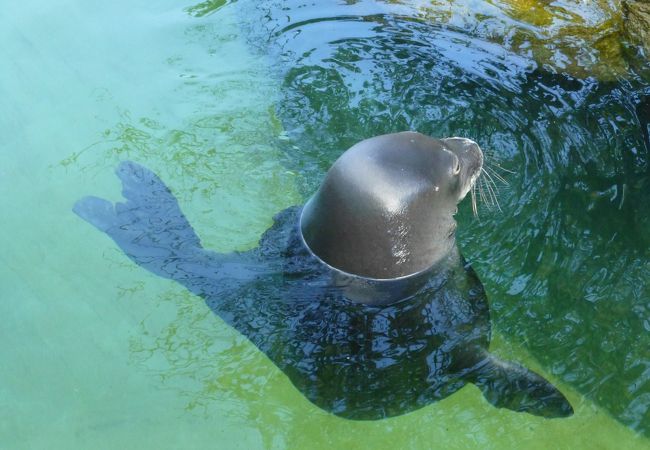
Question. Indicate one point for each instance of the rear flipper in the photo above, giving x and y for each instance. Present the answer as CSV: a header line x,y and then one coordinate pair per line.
x,y
509,385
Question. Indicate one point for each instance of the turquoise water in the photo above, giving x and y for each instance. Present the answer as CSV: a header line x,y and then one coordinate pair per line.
x,y
240,108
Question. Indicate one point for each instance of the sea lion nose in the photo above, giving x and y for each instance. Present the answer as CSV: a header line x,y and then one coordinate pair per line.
x,y
475,152
472,155
472,150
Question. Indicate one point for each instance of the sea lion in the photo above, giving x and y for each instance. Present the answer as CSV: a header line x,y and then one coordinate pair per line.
x,y
360,297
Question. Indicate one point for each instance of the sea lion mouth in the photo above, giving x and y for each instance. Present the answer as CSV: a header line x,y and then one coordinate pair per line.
x,y
452,231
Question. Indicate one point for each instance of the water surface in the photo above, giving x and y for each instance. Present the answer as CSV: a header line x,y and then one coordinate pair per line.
x,y
240,108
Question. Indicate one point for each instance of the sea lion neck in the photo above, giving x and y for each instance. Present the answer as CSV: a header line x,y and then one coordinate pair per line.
x,y
377,243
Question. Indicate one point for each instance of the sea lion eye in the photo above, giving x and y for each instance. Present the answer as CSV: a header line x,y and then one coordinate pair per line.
x,y
456,166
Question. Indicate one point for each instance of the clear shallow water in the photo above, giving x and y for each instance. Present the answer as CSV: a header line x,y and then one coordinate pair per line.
x,y
238,113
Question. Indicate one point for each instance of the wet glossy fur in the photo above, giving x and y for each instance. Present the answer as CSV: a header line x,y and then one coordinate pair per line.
x,y
355,360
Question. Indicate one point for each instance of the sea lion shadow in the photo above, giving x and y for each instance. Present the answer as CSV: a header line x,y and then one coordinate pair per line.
x,y
357,361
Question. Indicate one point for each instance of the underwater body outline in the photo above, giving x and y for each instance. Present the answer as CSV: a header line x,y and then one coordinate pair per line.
x,y
348,356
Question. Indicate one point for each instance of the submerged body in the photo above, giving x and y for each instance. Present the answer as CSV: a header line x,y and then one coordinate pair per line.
x,y
353,358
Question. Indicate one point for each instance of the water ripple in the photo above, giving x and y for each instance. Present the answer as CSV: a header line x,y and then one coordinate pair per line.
x,y
552,98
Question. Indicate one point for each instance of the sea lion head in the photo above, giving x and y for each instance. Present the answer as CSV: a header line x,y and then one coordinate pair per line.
x,y
385,208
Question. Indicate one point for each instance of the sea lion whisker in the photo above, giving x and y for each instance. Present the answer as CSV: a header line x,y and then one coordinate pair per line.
x,y
497,176
487,174
487,199
504,169
481,193
474,208
491,191
496,200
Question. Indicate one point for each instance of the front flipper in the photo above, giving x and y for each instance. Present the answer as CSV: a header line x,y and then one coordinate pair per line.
x,y
508,385
150,222
151,230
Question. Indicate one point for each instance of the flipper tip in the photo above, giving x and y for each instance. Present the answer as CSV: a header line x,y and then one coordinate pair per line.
x,y
508,385
96,211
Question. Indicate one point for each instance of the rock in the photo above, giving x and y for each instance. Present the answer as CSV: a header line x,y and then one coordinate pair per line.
x,y
636,14
579,38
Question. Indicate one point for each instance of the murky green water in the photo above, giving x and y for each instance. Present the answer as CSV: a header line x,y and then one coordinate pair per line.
x,y
241,107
